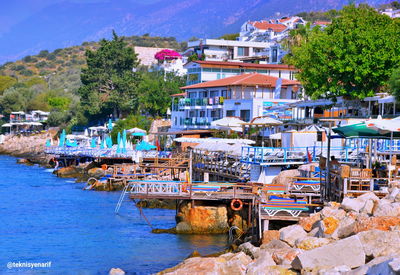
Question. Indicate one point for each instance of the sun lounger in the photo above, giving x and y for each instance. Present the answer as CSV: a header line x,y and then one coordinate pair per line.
x,y
313,184
205,188
274,188
278,204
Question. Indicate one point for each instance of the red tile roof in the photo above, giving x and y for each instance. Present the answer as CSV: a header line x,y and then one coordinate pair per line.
x,y
177,95
252,79
264,25
245,65
322,23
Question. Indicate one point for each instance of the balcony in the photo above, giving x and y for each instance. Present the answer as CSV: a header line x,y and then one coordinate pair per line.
x,y
199,103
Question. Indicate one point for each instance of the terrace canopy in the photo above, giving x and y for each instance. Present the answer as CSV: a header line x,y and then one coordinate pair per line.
x,y
361,130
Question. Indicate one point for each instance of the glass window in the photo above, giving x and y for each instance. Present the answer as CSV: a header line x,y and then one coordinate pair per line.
x,y
240,51
230,113
274,55
245,115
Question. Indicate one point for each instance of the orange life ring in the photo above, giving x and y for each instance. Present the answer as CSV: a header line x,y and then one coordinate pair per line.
x,y
236,204
104,167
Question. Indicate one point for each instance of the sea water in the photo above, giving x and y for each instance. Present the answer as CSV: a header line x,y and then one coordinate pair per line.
x,y
48,219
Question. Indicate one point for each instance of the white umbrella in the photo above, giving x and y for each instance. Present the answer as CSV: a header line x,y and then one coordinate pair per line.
x,y
136,130
228,123
6,125
266,121
385,126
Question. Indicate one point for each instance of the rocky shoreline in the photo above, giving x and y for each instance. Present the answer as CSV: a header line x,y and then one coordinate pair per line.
x,y
359,236
30,149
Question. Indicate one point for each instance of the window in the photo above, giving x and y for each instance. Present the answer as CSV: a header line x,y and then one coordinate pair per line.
x,y
240,51
213,93
202,113
245,115
203,94
230,113
274,55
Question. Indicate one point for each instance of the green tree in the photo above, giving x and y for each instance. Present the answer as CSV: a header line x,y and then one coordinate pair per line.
x,y
353,57
129,122
155,91
230,36
394,83
108,82
6,82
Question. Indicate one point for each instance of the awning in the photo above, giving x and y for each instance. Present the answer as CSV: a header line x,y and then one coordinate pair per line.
x,y
360,130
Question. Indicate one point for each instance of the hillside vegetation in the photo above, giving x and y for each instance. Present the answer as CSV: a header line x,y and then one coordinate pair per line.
x,y
50,81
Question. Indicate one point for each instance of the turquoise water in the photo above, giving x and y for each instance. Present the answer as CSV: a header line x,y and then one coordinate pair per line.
x,y
44,218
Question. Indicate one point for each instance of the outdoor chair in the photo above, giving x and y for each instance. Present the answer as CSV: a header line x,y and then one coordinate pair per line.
x,y
277,204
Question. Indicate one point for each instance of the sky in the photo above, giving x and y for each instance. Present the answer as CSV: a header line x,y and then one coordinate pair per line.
x,y
14,11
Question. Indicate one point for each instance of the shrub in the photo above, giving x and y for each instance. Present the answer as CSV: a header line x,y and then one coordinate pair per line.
x,y
43,53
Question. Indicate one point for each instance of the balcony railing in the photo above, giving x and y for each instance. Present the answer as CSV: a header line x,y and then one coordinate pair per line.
x,y
192,102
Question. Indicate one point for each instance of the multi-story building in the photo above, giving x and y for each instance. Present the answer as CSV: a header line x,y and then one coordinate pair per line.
x,y
224,50
202,71
246,96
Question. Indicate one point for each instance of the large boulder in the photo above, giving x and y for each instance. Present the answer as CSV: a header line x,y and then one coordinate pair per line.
x,y
380,223
285,177
202,219
271,270
116,271
352,204
387,265
270,235
346,227
386,208
394,194
378,243
284,256
332,212
68,172
236,264
261,263
348,252
95,173
308,222
197,265
309,243
327,227
292,233
249,250
275,244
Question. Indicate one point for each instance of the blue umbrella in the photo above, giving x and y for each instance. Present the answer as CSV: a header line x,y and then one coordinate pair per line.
x,y
109,142
145,146
138,134
93,143
48,143
119,143
102,144
62,138
110,124
124,141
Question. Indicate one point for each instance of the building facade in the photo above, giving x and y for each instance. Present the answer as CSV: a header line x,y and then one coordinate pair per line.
x,y
202,71
246,96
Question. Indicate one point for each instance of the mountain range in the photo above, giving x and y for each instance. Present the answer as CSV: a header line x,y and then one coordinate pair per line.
x,y
29,26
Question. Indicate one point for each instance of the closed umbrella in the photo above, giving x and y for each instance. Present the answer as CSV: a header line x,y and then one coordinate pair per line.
x,y
124,141
119,143
110,126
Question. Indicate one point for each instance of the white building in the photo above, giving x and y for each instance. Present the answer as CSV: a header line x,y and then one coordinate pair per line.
x,y
392,13
246,96
202,71
224,50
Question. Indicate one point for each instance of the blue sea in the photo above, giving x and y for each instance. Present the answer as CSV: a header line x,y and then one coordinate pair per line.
x,y
48,219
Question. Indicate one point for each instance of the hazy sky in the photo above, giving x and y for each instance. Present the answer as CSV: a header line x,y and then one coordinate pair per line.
x,y
14,11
